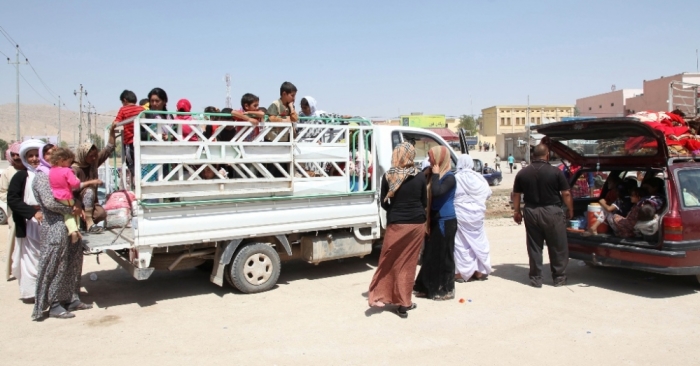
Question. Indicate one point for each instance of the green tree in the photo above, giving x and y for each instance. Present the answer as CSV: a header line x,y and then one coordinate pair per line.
x,y
3,146
469,124
63,144
97,140
576,112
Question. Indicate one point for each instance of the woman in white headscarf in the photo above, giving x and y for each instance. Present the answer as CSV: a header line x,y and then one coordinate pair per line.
x,y
472,259
27,217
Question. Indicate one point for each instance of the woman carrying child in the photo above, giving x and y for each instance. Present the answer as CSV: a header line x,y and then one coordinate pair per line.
x,y
63,182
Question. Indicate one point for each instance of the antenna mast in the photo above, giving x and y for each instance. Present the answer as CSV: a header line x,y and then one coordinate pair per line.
x,y
228,90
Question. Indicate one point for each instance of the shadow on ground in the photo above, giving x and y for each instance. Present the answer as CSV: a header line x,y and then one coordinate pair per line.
x,y
637,283
115,287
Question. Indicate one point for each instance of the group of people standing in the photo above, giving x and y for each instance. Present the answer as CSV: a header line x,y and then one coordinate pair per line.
x,y
47,188
435,209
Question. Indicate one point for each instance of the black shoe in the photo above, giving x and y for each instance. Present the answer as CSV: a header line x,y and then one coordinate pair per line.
x,y
560,281
536,282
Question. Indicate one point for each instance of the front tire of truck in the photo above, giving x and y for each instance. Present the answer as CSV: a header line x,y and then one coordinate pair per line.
x,y
255,268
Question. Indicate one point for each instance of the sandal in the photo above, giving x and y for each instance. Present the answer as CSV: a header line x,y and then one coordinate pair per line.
x,y
402,311
420,294
460,280
79,305
60,312
94,229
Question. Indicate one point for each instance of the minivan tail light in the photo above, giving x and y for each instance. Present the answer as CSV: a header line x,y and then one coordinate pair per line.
x,y
673,227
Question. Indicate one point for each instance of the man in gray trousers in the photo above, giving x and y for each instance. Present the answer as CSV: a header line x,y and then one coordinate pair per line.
x,y
544,188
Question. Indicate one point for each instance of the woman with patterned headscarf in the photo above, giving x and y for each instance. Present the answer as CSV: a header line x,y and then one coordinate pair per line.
x,y
404,197
12,156
87,160
436,279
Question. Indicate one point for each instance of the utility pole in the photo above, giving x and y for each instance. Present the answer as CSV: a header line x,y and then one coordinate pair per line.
x,y
80,114
59,122
227,78
17,63
527,126
89,123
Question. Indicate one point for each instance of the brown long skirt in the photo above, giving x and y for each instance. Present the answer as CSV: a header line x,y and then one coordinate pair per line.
x,y
393,281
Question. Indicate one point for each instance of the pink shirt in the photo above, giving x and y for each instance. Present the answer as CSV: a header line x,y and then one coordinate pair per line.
x,y
63,181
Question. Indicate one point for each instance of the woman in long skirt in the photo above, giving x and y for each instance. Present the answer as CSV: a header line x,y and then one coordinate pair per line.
x,y
404,198
436,279
61,264
472,258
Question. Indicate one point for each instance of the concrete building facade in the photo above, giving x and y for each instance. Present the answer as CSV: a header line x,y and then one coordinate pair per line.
x,y
501,119
612,104
656,94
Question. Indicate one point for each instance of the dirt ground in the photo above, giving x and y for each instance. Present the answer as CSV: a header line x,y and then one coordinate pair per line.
x,y
319,315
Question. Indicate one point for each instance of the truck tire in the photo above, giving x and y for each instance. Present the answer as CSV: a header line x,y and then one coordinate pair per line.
x,y
255,268
3,217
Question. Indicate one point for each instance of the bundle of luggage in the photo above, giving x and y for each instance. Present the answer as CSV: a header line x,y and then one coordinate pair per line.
x,y
681,135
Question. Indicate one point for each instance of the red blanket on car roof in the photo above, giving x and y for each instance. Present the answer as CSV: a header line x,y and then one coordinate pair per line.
x,y
670,124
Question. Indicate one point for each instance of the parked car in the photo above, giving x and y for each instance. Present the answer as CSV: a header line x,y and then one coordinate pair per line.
x,y
675,248
492,176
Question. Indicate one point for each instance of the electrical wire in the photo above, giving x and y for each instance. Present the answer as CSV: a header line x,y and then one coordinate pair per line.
x,y
7,36
30,85
12,41
3,53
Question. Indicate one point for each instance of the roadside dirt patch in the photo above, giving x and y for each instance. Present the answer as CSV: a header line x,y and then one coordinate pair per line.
x,y
498,206
104,321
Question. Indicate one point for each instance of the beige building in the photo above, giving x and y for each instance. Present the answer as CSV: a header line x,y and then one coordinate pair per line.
x,y
501,119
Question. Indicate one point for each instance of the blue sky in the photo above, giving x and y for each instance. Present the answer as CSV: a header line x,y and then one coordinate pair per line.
x,y
370,58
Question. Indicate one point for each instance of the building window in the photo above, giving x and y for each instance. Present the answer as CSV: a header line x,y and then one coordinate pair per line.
x,y
508,119
589,108
612,104
600,106
503,121
538,120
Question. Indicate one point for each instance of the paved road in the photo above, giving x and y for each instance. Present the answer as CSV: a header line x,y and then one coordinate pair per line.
x,y
318,316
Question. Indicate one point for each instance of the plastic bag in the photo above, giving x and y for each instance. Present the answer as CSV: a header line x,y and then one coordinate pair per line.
x,y
117,218
119,200
646,228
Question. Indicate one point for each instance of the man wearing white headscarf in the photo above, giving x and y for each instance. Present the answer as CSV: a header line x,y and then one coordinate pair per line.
x,y
27,217
472,259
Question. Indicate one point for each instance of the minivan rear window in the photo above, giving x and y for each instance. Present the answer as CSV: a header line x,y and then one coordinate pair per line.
x,y
689,180
616,146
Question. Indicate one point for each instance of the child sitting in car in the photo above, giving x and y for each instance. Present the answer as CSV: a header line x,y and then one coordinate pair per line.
x,y
624,226
608,203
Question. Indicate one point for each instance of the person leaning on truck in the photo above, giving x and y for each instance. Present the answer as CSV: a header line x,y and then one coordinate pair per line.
x,y
544,188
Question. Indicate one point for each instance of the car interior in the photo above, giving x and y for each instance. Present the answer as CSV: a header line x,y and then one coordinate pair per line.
x,y
583,194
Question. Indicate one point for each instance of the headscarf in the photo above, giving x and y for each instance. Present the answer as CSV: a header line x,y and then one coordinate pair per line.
x,y
12,149
312,107
441,157
44,166
471,183
81,157
183,105
402,167
26,147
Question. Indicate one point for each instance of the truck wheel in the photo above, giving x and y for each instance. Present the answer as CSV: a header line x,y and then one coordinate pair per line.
x,y
255,268
3,217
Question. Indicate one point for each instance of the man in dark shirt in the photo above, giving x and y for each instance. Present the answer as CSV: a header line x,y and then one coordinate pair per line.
x,y
544,188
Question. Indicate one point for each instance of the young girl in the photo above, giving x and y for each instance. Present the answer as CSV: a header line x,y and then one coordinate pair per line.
x,y
624,226
63,182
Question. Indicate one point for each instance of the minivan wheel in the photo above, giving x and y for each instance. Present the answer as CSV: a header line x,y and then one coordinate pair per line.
x,y
255,268
3,217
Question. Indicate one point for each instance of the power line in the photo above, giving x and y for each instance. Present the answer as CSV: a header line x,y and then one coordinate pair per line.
x,y
4,54
12,41
30,85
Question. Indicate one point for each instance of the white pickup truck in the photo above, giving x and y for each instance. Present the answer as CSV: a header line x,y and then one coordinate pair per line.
x,y
286,199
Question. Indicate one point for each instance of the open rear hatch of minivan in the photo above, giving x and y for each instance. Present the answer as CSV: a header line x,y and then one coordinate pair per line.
x,y
606,141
